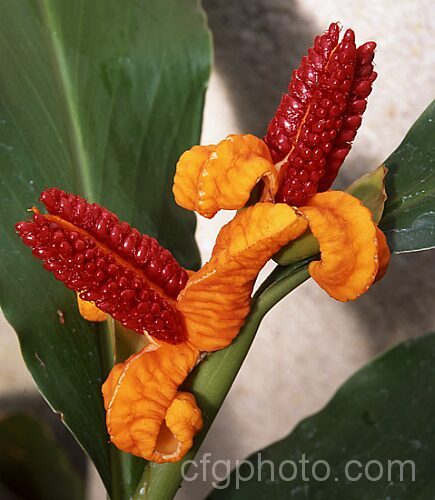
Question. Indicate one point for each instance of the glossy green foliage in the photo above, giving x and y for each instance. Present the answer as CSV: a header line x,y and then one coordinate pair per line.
x,y
409,216
99,98
32,465
384,413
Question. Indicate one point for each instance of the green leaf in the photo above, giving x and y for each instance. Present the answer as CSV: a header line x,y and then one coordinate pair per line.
x,y
99,98
369,189
31,463
385,412
409,216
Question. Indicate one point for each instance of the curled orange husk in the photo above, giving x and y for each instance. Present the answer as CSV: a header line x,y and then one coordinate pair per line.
x,y
89,311
349,247
217,298
222,176
145,413
383,254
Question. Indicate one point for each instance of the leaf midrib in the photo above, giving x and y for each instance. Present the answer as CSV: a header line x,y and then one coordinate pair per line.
x,y
80,158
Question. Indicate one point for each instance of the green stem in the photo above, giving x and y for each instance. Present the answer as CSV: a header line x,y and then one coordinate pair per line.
x,y
119,461
213,378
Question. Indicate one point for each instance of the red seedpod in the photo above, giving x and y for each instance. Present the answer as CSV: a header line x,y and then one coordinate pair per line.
x,y
363,79
317,119
125,273
140,250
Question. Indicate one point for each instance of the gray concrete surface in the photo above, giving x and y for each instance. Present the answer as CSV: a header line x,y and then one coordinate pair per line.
x,y
309,344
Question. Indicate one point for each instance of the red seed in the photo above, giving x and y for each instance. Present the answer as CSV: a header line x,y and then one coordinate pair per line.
x,y
155,309
72,236
80,246
128,244
101,229
90,295
79,258
58,236
112,286
115,234
143,308
101,264
24,227
112,270
90,267
127,295
65,207
64,248
100,276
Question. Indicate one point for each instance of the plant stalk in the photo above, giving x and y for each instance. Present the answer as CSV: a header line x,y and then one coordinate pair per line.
x,y
119,461
213,378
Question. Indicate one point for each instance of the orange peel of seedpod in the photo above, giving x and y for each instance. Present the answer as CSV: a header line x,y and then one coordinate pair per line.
x,y
222,176
217,298
89,311
146,415
352,250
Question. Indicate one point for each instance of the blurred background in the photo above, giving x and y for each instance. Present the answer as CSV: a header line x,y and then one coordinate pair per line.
x,y
309,344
